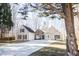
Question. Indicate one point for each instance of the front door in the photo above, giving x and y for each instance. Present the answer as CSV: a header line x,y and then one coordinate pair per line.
x,y
42,36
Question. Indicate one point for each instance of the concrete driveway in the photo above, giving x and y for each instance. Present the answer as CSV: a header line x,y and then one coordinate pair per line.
x,y
23,49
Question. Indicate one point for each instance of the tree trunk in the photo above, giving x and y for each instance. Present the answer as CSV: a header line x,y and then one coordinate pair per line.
x,y
71,44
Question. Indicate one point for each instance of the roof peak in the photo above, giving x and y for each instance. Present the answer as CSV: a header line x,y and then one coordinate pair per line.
x,y
29,29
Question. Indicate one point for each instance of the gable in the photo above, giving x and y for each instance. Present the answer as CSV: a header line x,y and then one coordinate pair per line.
x,y
53,30
39,32
28,29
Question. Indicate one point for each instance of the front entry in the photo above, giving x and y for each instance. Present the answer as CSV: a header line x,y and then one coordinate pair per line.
x,y
39,37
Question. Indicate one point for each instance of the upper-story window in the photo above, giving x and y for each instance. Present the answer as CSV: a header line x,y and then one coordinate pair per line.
x,y
22,30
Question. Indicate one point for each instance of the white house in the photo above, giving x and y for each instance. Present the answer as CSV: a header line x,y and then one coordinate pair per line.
x,y
51,33
24,33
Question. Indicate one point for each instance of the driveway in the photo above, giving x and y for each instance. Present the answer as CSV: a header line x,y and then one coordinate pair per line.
x,y
23,49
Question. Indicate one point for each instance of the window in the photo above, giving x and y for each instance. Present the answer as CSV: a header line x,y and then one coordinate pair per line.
x,y
42,36
19,37
21,30
24,36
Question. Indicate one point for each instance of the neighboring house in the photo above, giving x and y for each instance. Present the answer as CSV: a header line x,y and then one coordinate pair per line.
x,y
24,33
51,33
39,34
55,34
76,24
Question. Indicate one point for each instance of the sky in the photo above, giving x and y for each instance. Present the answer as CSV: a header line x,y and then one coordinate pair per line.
x,y
33,21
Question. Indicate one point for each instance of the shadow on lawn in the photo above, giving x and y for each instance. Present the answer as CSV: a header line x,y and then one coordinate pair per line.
x,y
49,51
59,43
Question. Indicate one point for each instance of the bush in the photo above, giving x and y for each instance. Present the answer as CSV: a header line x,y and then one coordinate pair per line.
x,y
7,38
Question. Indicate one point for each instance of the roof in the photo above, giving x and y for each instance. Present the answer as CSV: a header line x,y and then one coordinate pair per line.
x,y
53,30
45,29
38,31
29,29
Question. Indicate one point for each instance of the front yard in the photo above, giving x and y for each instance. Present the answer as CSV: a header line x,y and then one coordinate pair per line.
x,y
49,51
34,48
55,49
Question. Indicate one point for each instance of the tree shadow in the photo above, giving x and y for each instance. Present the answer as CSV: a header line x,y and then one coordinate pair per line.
x,y
49,51
59,43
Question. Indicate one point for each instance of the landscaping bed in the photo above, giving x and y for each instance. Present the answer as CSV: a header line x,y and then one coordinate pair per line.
x,y
11,40
6,39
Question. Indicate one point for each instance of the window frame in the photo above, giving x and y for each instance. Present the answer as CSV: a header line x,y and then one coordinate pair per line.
x,y
22,30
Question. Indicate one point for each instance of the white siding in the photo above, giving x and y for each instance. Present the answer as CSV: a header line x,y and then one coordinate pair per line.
x,y
31,36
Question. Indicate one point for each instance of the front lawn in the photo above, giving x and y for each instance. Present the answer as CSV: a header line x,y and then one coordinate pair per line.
x,y
55,49
49,51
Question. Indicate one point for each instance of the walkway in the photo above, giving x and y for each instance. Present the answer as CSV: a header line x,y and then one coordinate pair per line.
x,y
23,49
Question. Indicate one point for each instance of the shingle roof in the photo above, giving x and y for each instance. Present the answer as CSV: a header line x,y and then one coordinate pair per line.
x,y
38,31
29,29
53,30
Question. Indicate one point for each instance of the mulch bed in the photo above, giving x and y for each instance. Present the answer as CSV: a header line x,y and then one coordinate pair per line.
x,y
11,40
